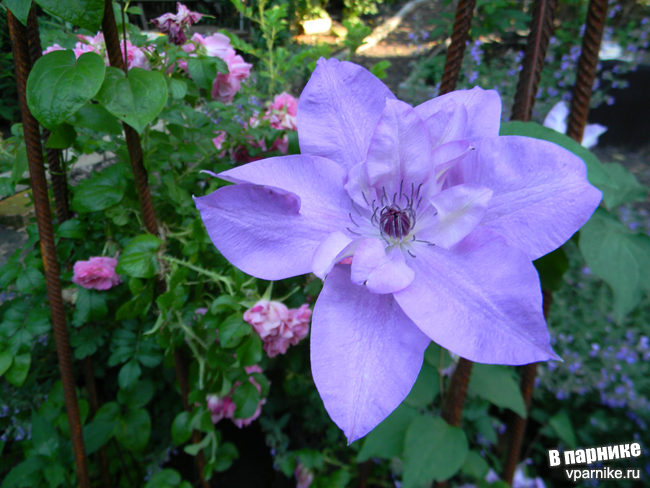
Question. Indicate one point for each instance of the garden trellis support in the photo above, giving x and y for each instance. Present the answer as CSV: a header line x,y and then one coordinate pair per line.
x,y
538,39
22,65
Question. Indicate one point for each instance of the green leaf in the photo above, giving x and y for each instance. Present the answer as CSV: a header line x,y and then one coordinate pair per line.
x,y
139,257
8,273
618,256
129,374
133,430
387,439
475,466
83,13
136,100
232,330
6,360
38,321
97,433
100,192
495,384
629,189
426,387
30,280
60,84
90,306
182,428
137,395
178,88
109,412
95,117
562,426
203,71
165,478
551,269
72,229
433,450
596,173
17,373
193,449
250,351
61,137
246,397
20,8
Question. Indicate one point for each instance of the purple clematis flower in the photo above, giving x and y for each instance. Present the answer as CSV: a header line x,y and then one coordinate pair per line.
x,y
437,216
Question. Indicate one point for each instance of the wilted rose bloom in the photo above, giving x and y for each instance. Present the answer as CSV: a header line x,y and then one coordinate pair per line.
x,y
296,327
135,56
441,216
218,142
97,272
174,24
266,317
221,408
283,112
304,477
225,86
556,120
216,45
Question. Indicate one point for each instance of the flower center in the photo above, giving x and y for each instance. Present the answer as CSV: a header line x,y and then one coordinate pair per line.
x,y
395,222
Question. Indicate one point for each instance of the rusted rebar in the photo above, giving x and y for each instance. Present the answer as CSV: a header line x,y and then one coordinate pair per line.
x,y
452,410
133,144
57,170
541,30
456,50
20,49
517,427
587,66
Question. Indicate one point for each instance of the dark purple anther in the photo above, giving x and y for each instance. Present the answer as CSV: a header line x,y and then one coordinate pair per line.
x,y
395,222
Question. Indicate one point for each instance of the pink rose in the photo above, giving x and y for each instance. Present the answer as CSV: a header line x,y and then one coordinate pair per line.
x,y
220,408
298,323
266,318
283,112
135,57
174,24
304,477
225,86
55,47
97,272
218,142
276,346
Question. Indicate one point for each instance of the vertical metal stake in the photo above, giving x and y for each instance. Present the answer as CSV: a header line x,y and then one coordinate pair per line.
x,y
20,49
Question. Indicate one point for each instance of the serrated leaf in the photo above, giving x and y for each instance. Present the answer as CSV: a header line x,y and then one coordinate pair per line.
x,y
178,88
17,373
59,84
97,433
139,257
6,360
91,305
495,384
136,100
129,374
30,280
246,397
100,192
72,229
133,430
137,395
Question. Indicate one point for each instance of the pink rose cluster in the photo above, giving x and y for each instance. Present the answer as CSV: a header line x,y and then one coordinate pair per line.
x,y
282,114
224,408
278,326
225,85
97,273
174,25
136,57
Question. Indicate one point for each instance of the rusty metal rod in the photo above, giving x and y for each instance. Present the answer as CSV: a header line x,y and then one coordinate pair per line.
x,y
452,410
587,66
20,49
134,146
541,30
517,428
456,50
57,170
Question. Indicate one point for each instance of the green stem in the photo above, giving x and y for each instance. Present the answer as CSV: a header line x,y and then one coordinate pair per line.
x,y
210,274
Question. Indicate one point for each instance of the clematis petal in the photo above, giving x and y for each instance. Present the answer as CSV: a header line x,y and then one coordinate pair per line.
x,y
262,230
483,109
318,181
459,210
378,271
541,193
357,185
399,154
447,124
591,135
481,300
325,256
443,158
556,117
338,111
365,353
